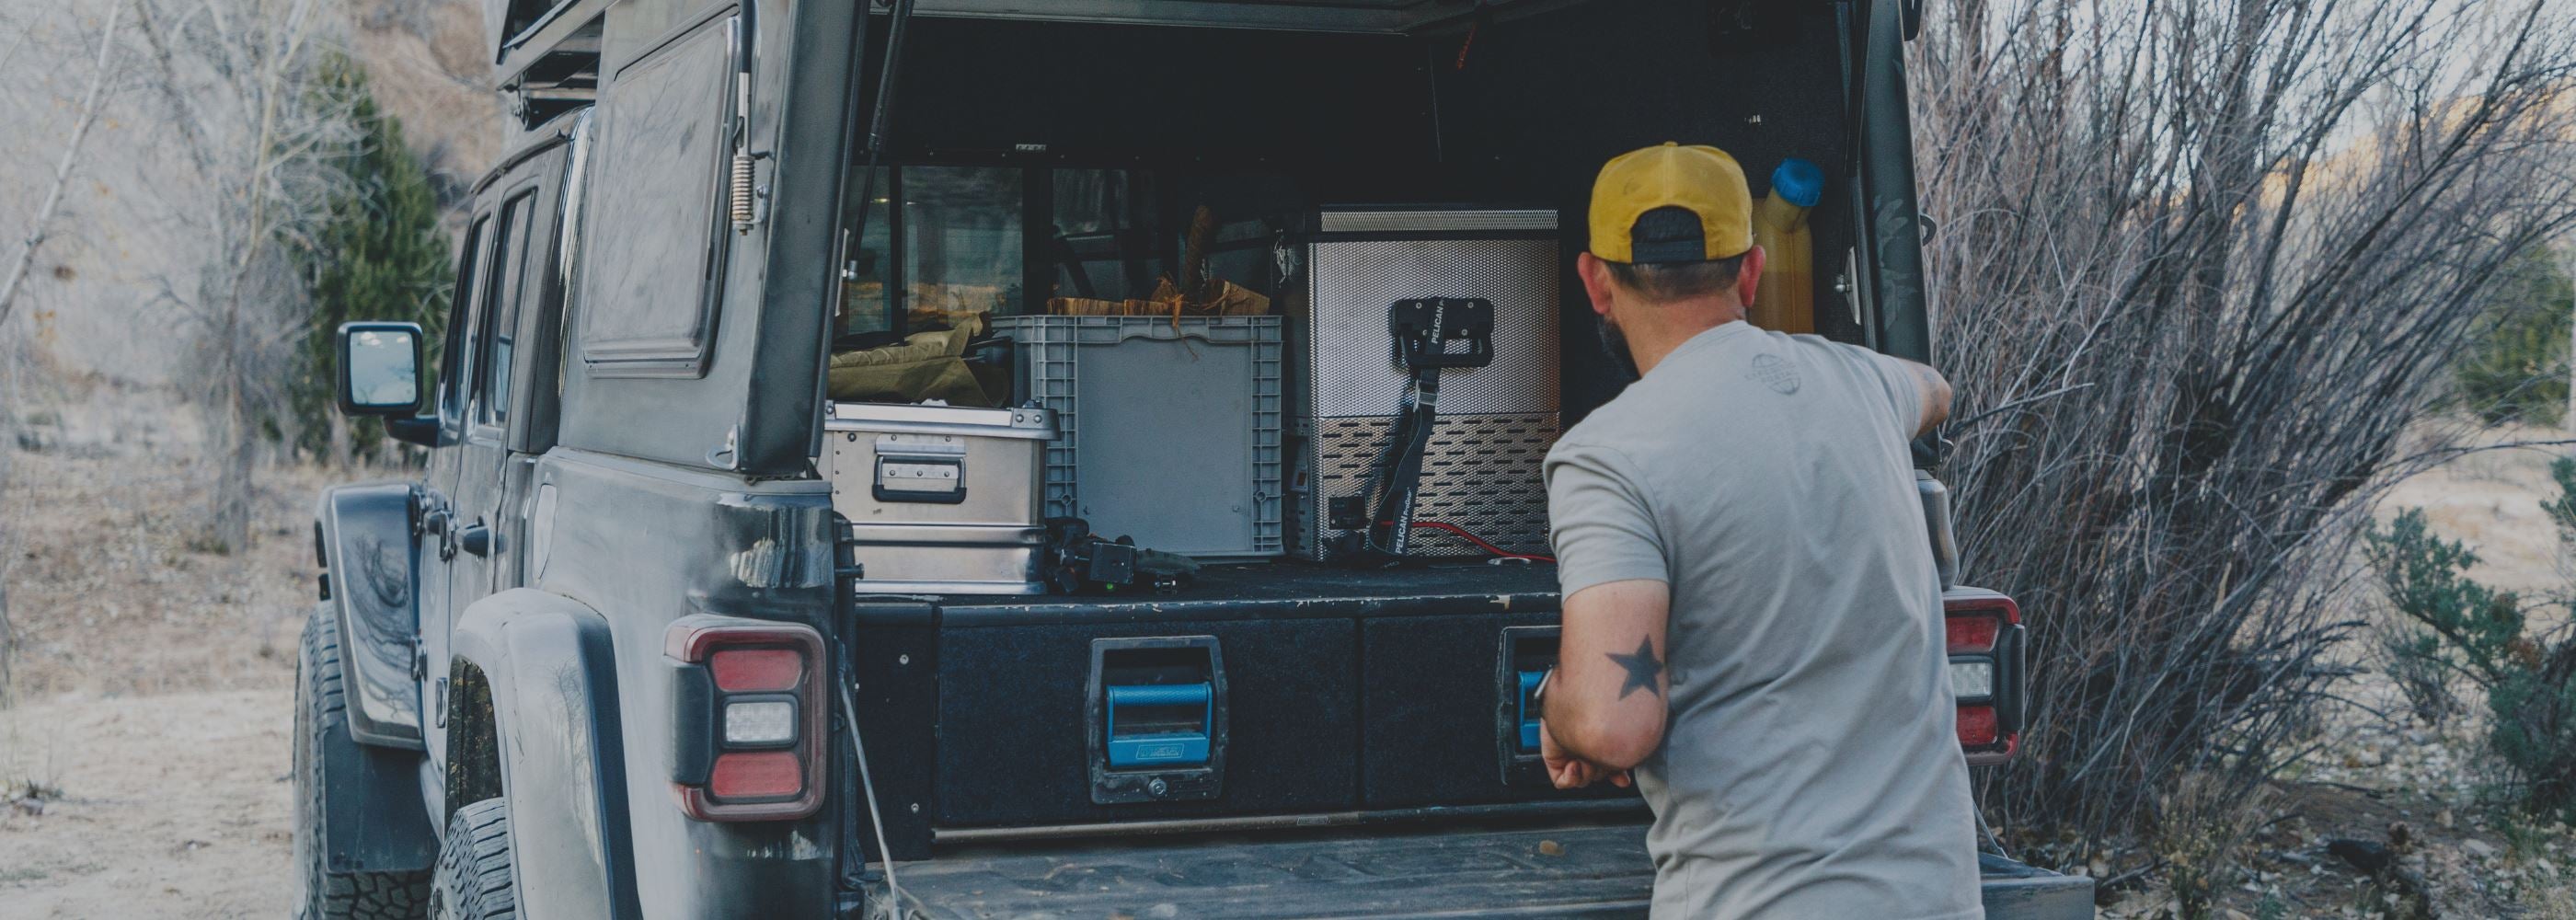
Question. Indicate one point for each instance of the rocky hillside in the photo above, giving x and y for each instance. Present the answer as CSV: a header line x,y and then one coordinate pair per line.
x,y
105,296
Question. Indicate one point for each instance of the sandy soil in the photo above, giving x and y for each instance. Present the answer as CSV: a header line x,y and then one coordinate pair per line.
x,y
2491,501
148,712
168,806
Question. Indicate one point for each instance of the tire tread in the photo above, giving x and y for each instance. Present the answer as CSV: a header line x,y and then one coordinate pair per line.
x,y
322,718
474,880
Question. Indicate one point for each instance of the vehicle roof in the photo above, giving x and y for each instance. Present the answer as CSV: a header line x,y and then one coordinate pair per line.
x,y
529,143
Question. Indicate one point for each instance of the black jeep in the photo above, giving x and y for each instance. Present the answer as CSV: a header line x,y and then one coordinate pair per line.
x,y
647,639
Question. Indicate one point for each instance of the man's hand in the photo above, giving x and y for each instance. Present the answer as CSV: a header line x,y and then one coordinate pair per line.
x,y
1570,773
1933,391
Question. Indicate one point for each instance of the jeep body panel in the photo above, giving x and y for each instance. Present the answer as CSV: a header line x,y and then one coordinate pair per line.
x,y
742,391
682,541
363,534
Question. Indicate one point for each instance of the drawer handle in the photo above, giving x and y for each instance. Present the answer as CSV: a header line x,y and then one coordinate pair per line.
x,y
1165,724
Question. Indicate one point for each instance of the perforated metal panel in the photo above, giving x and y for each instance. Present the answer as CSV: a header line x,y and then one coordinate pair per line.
x,y
1351,359
1481,472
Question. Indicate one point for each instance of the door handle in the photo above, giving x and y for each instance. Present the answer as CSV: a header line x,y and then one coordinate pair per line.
x,y
476,538
441,526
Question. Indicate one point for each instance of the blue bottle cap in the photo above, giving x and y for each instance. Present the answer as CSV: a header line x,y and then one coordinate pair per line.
x,y
1798,182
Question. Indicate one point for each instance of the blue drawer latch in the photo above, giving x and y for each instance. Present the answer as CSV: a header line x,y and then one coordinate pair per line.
x,y
1529,713
1157,725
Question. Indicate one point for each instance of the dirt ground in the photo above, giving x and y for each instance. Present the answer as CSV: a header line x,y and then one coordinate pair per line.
x,y
144,744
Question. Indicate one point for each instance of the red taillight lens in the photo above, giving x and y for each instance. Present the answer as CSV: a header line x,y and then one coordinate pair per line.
x,y
1978,727
757,670
1983,632
756,775
747,720
1974,631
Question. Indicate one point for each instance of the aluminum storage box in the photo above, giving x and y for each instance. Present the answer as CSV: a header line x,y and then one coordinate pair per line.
x,y
1168,428
1483,468
940,499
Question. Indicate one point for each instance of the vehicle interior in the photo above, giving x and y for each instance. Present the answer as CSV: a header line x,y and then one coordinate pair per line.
x,y
1038,159
1179,170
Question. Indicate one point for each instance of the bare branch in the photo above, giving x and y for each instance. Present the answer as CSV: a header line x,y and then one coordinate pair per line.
x,y
92,101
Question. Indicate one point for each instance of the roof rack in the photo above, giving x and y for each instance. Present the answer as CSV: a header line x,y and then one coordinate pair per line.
x,y
1386,16
546,54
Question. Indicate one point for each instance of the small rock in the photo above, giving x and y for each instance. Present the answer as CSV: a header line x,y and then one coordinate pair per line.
x,y
2478,848
2369,856
1550,848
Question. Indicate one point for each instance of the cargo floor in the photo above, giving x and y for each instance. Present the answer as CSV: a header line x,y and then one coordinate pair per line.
x,y
1585,870
1287,589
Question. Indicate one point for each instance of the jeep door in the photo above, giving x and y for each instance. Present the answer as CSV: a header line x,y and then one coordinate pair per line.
x,y
435,509
480,481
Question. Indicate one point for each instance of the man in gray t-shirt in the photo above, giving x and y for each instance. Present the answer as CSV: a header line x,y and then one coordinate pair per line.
x,y
1752,619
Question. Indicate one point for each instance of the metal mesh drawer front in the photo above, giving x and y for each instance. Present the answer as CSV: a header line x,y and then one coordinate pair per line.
x,y
1352,363
1481,472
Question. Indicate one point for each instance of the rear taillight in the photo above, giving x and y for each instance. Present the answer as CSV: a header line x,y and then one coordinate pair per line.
x,y
1984,633
747,718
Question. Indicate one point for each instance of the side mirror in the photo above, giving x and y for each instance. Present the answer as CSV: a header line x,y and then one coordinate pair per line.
x,y
380,369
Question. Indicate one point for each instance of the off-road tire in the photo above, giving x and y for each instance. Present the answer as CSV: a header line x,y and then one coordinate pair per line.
x,y
322,720
474,866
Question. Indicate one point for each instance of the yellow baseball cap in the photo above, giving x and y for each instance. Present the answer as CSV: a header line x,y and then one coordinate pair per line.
x,y
1645,202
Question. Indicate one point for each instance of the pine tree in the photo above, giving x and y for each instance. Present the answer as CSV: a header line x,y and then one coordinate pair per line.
x,y
380,256
2515,368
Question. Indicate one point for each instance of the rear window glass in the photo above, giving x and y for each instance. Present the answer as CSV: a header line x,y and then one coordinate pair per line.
x,y
653,223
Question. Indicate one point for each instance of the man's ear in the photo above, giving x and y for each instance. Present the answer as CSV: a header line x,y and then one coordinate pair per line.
x,y
1748,277
1596,280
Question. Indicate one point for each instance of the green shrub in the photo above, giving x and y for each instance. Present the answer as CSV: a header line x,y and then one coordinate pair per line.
x,y
2454,627
2515,368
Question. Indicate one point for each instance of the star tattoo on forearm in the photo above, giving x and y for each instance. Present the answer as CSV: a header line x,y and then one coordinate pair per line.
x,y
1642,667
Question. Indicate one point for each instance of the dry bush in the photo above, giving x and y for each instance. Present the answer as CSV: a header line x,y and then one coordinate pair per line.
x,y
2202,829
237,80
2200,265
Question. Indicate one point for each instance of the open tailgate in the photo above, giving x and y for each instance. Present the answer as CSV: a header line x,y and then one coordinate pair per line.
x,y
1581,870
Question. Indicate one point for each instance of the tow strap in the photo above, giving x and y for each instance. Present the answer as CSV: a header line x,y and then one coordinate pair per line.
x,y
1430,335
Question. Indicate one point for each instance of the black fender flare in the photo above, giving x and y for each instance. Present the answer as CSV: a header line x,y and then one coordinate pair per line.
x,y
551,671
363,538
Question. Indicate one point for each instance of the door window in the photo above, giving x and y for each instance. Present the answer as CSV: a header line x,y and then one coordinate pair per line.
x,y
501,308
453,365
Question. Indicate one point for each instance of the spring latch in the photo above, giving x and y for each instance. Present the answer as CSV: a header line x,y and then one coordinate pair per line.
x,y
742,193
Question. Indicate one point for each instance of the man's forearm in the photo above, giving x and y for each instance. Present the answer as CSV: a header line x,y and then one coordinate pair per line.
x,y
1934,391
1608,713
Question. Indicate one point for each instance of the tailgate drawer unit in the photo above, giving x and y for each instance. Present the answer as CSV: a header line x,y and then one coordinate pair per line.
x,y
1281,695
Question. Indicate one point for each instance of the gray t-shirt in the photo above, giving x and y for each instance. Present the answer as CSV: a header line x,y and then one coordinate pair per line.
x,y
1811,767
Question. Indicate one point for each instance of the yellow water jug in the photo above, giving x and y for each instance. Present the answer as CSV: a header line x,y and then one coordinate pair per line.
x,y
1784,299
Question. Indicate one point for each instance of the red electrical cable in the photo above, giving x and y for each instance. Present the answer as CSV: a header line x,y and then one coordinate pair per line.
x,y
1462,534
